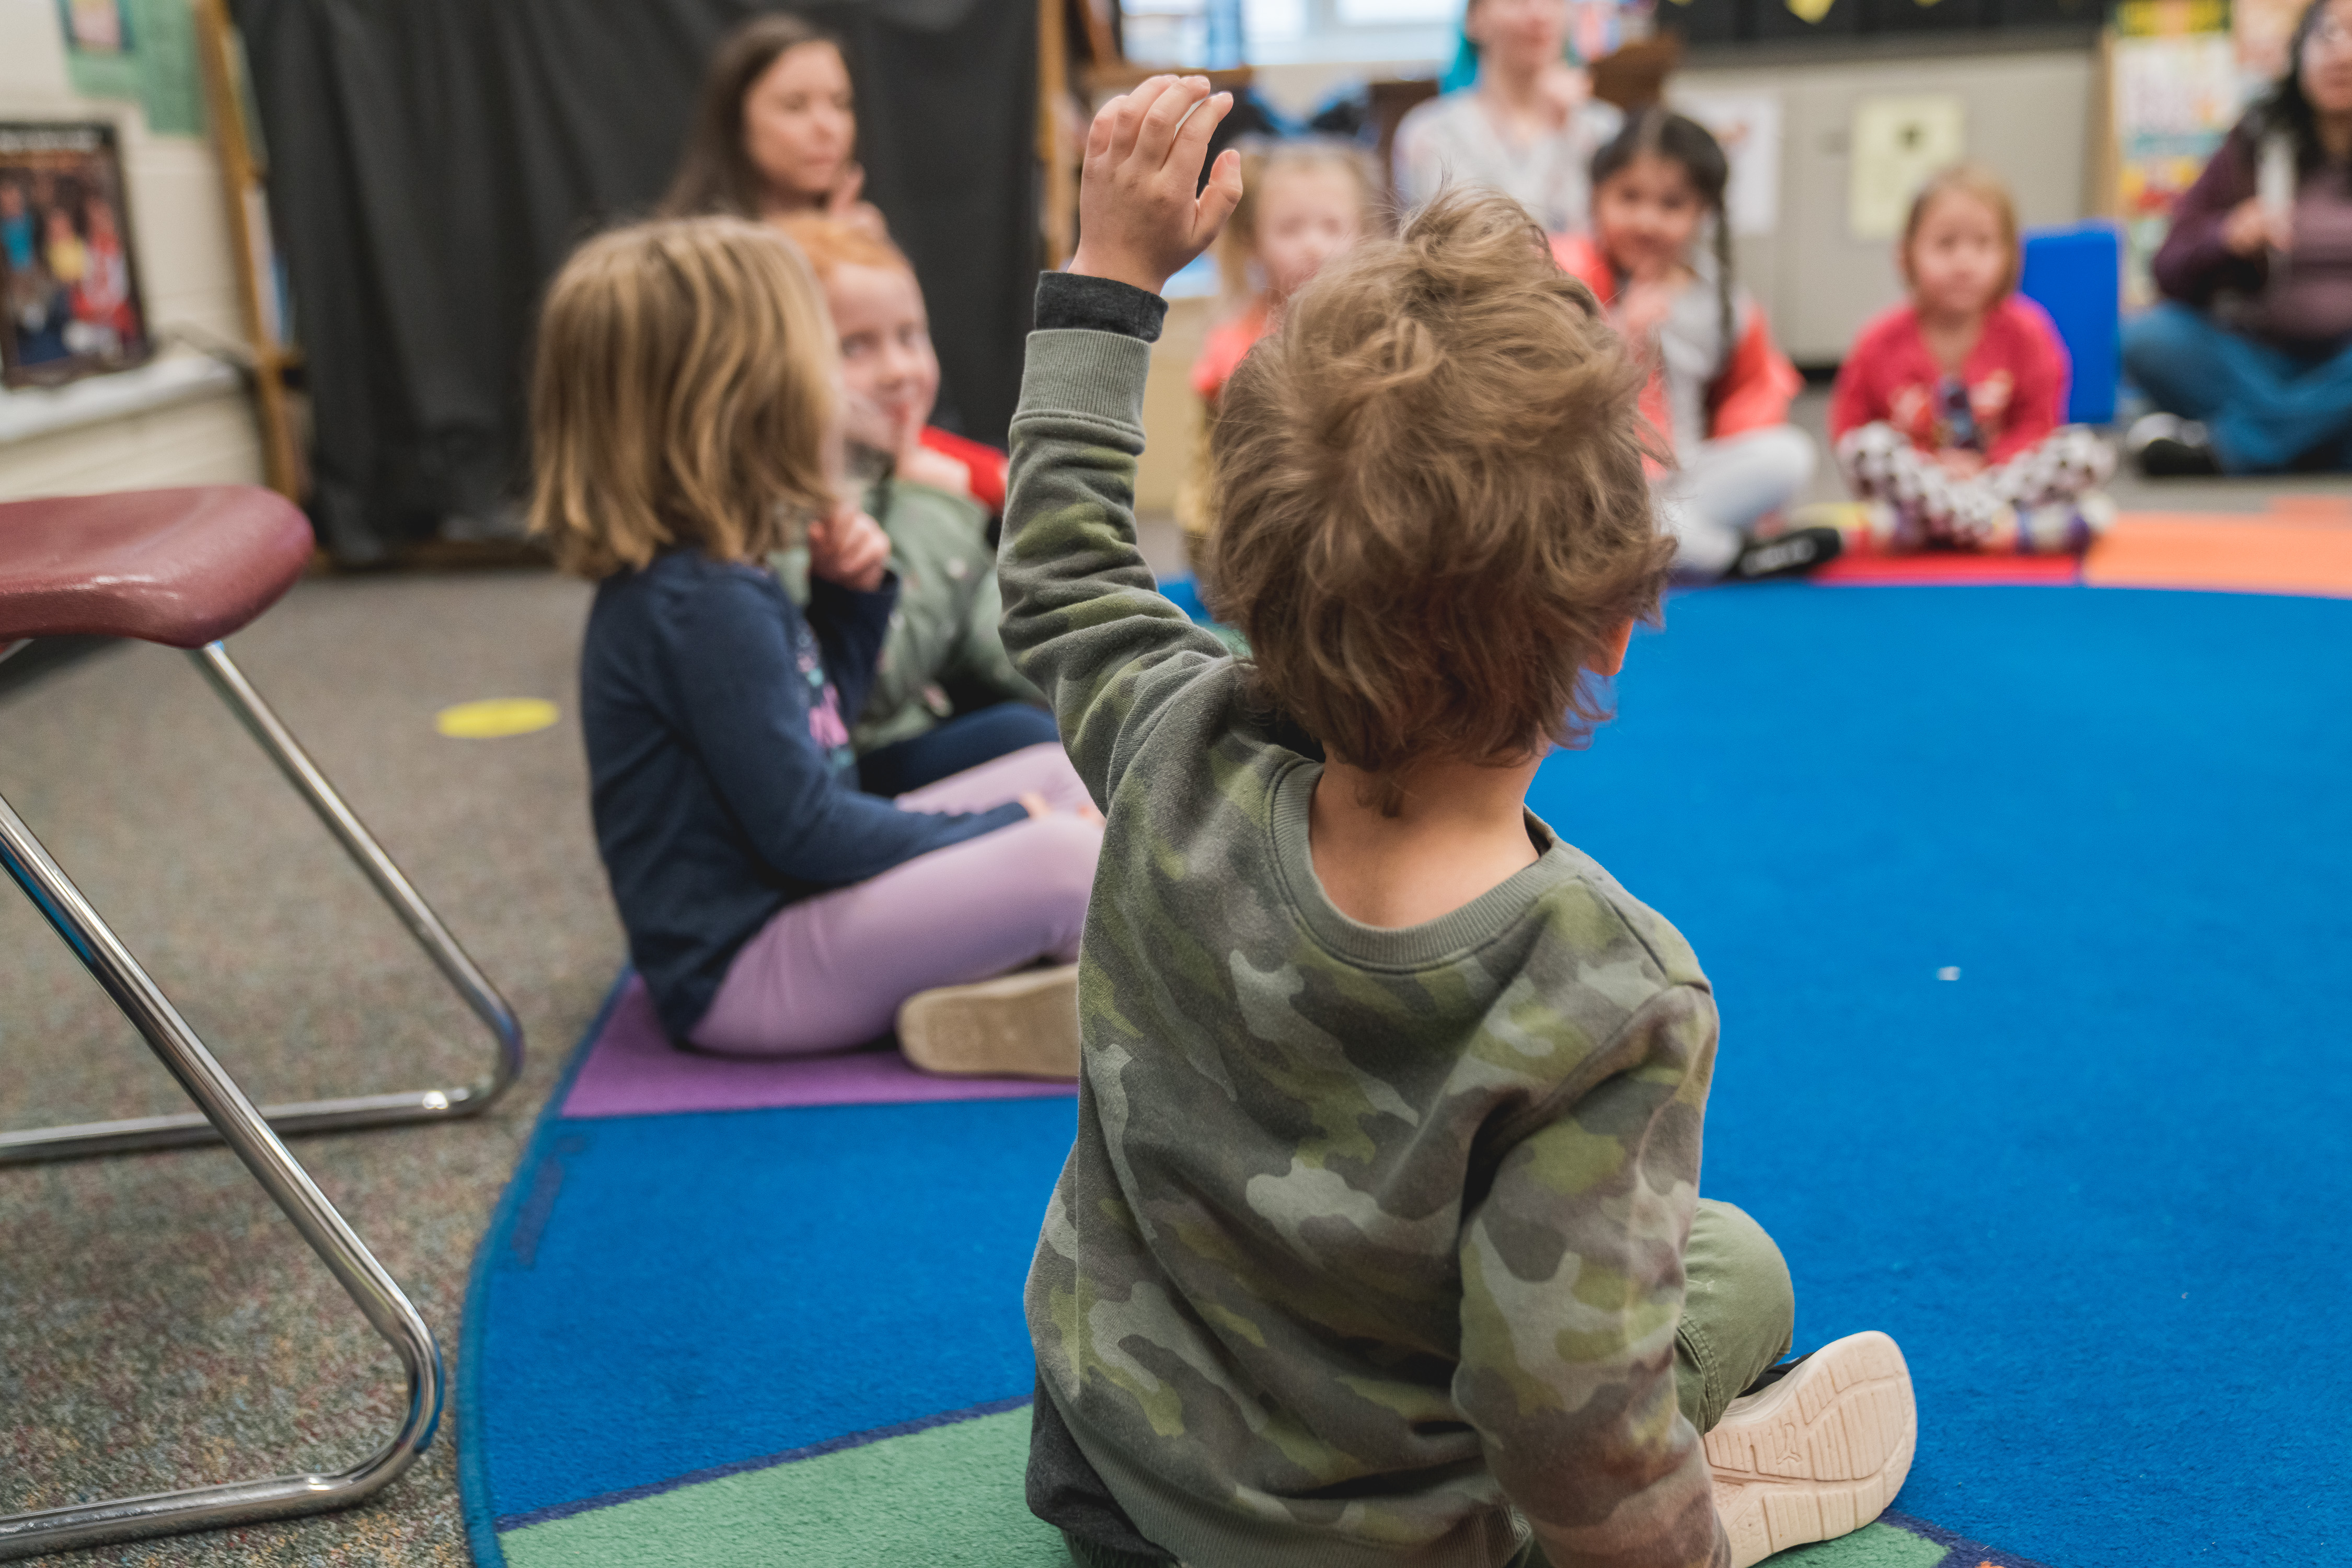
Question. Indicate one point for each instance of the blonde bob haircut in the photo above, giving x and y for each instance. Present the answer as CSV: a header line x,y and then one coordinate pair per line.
x,y
1978,183
684,394
1263,162
1434,510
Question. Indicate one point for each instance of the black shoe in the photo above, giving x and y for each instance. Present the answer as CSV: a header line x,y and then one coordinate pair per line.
x,y
2171,448
1772,1374
2165,459
1789,554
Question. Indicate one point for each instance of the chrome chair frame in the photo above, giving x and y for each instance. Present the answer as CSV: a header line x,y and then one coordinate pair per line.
x,y
227,1113
310,1116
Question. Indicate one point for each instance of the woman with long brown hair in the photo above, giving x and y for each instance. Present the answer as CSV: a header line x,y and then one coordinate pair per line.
x,y
776,134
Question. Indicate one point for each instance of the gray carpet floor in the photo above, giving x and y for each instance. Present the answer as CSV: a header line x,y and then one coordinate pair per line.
x,y
159,1323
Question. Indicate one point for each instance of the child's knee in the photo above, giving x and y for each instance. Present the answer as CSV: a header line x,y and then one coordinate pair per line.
x,y
1060,852
1743,1263
1792,455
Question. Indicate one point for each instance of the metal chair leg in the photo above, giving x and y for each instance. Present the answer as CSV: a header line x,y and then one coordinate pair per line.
x,y
227,1110
320,1115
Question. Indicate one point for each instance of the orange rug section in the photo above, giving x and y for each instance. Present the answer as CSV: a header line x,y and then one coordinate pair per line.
x,y
2302,545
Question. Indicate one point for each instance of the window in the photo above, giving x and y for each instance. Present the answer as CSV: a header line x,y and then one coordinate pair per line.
x,y
1211,34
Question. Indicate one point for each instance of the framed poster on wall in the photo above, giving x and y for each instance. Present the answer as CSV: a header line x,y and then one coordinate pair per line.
x,y
66,271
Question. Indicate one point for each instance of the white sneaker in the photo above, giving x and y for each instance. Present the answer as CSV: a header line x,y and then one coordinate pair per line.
x,y
1817,1455
1024,1023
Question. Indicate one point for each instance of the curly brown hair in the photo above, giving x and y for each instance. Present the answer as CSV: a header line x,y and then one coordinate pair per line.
x,y
1435,516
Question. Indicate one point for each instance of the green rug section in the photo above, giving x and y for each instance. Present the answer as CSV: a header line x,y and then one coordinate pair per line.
x,y
1872,1546
948,1497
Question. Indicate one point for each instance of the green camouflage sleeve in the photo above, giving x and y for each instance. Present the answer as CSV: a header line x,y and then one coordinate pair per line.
x,y
1572,1291
1082,617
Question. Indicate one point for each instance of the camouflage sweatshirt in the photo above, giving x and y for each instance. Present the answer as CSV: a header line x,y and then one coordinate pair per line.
x,y
1368,1237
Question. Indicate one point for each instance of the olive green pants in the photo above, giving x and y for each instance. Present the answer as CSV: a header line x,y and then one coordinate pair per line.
x,y
1739,1312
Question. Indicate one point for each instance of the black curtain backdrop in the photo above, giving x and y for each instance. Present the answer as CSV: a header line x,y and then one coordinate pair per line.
x,y
432,162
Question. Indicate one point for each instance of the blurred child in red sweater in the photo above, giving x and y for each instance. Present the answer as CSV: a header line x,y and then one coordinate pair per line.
x,y
1946,414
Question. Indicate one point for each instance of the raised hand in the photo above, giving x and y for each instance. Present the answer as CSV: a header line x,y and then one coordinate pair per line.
x,y
843,199
1140,218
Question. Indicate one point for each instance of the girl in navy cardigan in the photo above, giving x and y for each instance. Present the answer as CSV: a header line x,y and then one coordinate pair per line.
x,y
684,415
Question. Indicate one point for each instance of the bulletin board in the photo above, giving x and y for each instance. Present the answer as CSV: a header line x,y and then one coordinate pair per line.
x,y
2178,74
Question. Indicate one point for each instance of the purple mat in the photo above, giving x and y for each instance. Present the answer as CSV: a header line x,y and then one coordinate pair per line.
x,y
631,1069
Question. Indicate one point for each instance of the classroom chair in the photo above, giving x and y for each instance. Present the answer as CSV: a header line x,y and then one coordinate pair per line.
x,y
185,568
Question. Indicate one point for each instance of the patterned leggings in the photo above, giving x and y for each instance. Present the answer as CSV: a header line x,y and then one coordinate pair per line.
x,y
2045,500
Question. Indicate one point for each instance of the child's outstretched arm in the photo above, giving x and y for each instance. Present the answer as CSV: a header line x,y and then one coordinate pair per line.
x,y
1082,618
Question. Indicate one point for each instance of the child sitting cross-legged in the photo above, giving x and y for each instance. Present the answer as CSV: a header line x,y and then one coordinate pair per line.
x,y
945,697
1659,258
685,411
1303,202
1379,1241
1947,412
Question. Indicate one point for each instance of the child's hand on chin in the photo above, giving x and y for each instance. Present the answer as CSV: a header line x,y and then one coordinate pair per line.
x,y
1139,216
848,548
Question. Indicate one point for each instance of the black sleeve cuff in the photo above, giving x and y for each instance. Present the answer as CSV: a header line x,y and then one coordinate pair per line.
x,y
1099,305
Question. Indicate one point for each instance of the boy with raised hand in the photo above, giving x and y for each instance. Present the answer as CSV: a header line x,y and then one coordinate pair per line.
x,y
1380,1242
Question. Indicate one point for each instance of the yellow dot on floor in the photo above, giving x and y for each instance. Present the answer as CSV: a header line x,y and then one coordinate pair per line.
x,y
495,718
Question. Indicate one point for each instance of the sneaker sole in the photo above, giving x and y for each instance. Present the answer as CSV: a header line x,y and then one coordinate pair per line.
x,y
1024,1026
1819,1454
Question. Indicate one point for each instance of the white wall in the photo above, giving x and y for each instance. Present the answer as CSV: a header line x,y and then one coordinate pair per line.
x,y
205,432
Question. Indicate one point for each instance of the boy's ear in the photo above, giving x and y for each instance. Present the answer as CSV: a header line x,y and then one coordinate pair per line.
x,y
1613,653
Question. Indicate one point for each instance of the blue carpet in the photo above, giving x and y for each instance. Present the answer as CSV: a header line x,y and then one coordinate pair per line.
x,y
2083,1183
709,1288
2087,1185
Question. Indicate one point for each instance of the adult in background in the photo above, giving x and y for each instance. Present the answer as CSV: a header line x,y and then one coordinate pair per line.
x,y
776,134
1528,127
2250,356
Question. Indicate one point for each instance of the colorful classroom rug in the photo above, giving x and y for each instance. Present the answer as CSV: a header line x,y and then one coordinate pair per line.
x,y
2025,908
2303,544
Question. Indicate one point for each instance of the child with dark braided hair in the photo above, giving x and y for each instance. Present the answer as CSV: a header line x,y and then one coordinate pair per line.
x,y
1719,388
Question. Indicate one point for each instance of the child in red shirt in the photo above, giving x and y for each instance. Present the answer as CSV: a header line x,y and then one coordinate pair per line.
x,y
1947,412
1303,202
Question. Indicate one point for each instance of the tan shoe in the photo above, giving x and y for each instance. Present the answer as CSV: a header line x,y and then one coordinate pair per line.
x,y
1817,1455
1024,1024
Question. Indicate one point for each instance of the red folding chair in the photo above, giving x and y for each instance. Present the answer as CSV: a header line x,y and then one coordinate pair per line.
x,y
185,568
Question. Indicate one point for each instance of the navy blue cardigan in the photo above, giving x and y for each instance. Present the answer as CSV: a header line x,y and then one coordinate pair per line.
x,y
721,780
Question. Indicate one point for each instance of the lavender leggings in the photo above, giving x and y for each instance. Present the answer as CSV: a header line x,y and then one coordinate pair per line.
x,y
830,972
